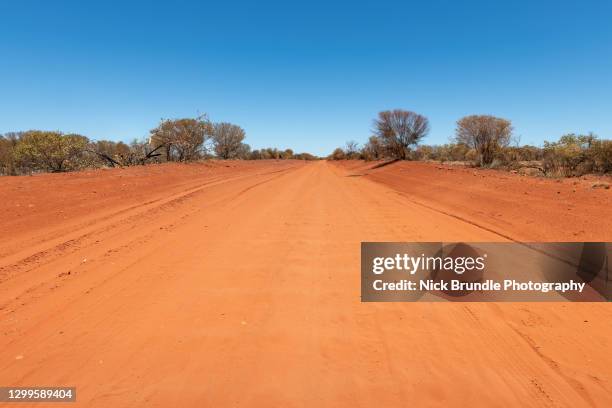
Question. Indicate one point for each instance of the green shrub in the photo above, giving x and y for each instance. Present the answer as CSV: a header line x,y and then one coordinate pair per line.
x,y
51,151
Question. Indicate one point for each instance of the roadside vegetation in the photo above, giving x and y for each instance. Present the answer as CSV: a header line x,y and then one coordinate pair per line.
x,y
173,140
480,141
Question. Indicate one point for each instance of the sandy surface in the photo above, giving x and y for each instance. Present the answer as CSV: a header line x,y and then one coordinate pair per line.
x,y
207,285
518,207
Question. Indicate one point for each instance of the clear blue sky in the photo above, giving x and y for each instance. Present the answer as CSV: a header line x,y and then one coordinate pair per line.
x,y
308,75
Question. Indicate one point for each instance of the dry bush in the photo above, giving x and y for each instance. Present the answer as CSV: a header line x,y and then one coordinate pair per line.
x,y
517,154
287,154
51,151
338,154
572,155
8,164
351,150
601,154
266,154
575,155
304,156
399,130
227,140
274,153
182,139
243,152
374,149
453,152
484,133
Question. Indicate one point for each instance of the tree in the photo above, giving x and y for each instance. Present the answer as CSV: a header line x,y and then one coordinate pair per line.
x,y
272,153
141,151
227,140
8,142
338,154
243,152
400,129
484,133
351,149
574,155
51,151
106,152
602,155
374,149
287,154
304,156
182,139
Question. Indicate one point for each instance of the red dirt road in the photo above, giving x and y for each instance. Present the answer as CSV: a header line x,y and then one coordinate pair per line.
x,y
207,285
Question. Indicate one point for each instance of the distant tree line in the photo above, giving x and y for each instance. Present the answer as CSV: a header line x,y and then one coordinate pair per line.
x,y
173,140
479,140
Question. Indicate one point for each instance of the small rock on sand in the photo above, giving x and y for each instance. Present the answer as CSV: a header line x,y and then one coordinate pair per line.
x,y
602,184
